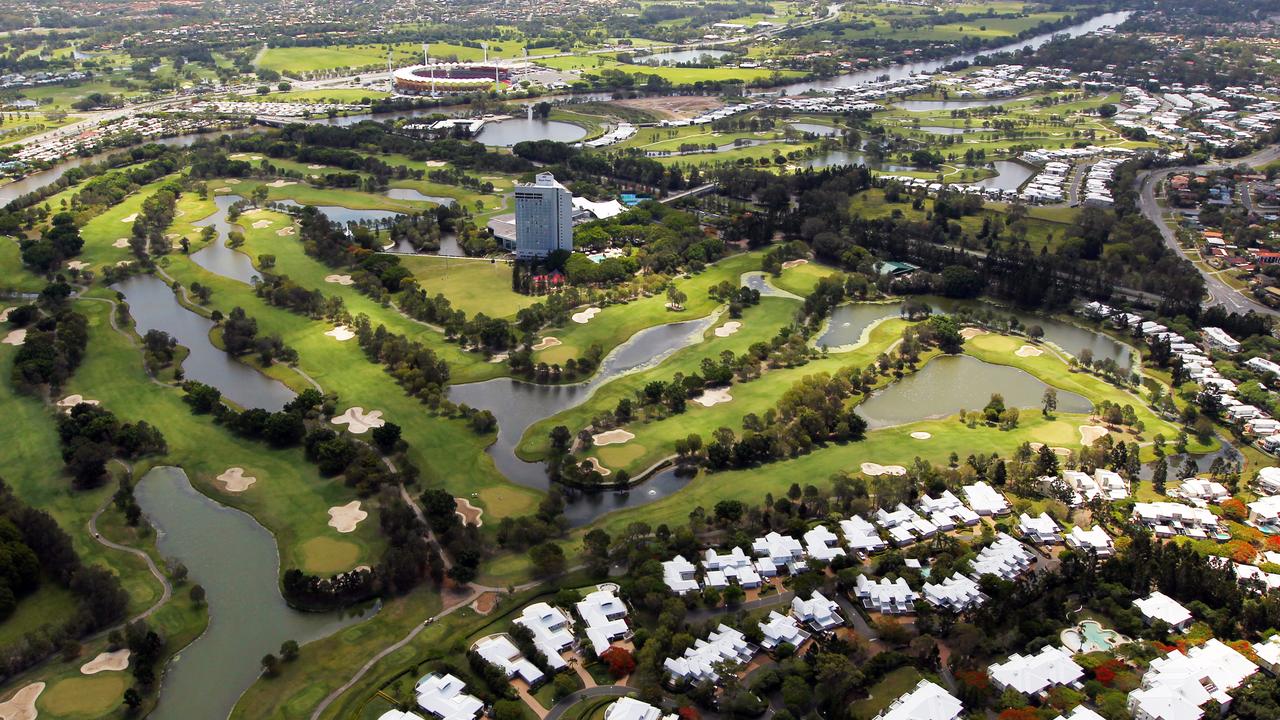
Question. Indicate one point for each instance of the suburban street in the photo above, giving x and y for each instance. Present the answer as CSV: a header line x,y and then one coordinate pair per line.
x,y
1219,292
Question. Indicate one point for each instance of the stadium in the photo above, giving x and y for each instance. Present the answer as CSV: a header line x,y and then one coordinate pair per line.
x,y
439,78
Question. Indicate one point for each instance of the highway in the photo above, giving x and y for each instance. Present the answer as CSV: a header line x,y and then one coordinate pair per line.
x,y
1219,292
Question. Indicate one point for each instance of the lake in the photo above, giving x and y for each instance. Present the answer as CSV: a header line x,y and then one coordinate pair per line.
x,y
505,133
676,57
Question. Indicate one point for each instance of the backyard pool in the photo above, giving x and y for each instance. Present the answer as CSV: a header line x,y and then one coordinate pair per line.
x,y
1089,636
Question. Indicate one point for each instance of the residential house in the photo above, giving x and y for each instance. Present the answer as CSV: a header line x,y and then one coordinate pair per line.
x,y
1094,539
698,663
1167,519
443,697
1006,558
904,525
780,550
861,536
817,612
551,628
679,575
779,629
927,701
1178,686
1265,510
956,593
946,512
1203,490
1158,606
628,708
500,651
1036,674
1042,529
822,544
604,615
887,597
1218,338
985,500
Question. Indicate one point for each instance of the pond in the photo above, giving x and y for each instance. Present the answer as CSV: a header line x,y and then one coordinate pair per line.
x,y
153,307
928,105
519,404
835,158
216,257
940,130
1010,175
814,129
849,321
235,559
411,194
345,215
675,57
505,133
951,383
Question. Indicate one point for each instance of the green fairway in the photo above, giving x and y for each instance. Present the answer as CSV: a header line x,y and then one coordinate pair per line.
x,y
51,604
472,285
84,697
802,279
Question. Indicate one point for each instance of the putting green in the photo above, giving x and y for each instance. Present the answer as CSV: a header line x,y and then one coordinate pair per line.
x,y
327,555
91,697
504,502
620,455
559,354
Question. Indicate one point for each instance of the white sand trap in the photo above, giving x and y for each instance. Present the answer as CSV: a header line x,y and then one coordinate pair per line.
x,y
546,342
713,396
584,317
129,219
500,358
728,328
345,518
358,422
222,190
285,232
107,662
124,263
470,514
339,279
121,243
442,163
22,706
362,568
77,264
342,333
870,468
970,333
612,437
315,167
794,263
1089,434
674,307
920,435
1060,451
595,465
15,338
4,314
71,401
1028,351
234,181
234,480
261,224
282,183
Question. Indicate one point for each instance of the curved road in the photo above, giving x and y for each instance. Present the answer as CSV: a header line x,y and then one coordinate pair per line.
x,y
1219,292
167,591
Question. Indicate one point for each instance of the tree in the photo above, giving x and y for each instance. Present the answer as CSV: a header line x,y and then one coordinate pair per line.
x,y
133,699
547,558
289,650
270,665
1160,475
197,595
1049,402
619,661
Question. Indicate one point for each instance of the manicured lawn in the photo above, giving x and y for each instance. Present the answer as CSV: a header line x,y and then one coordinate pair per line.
x,y
50,604
88,697
473,286
14,277
890,688
802,279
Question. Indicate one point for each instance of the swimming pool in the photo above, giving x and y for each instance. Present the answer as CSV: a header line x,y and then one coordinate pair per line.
x,y
1089,636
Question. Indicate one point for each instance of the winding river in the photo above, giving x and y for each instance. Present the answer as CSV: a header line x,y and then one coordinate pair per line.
x,y
236,561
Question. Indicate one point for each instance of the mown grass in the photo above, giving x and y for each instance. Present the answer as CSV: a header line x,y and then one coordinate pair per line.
x,y
472,285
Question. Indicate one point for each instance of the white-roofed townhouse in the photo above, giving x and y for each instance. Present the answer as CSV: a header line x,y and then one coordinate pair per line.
x,y
946,511
885,596
605,617
1177,686
778,629
1042,529
1036,674
861,536
1005,558
443,696
927,701
552,630
818,612
956,593
680,575
822,544
1158,606
698,663
1094,539
985,500
500,651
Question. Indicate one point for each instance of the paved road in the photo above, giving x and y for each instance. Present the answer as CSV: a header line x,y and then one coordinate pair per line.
x,y
782,598
572,699
1219,292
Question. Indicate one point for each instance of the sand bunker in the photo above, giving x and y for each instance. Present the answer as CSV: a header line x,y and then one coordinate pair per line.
x,y
339,279
234,480
546,342
728,328
282,183
121,243
970,333
1089,434
107,662
315,167
342,333
612,437
15,338
4,314
77,264
1028,351
794,263
713,396
1035,447
285,232
500,358
921,435
595,465
584,317
469,513
345,518
71,401
870,468
358,422
261,224
222,190
234,181
22,706
130,218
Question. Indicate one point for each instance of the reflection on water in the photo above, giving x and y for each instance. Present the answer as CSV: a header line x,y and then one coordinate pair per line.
x,y
236,561
216,257
506,133
675,57
813,128
951,383
153,307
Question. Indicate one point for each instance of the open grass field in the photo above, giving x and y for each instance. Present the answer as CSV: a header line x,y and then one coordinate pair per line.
x,y
12,276
1046,227
472,285
802,279
889,688
674,75
330,95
